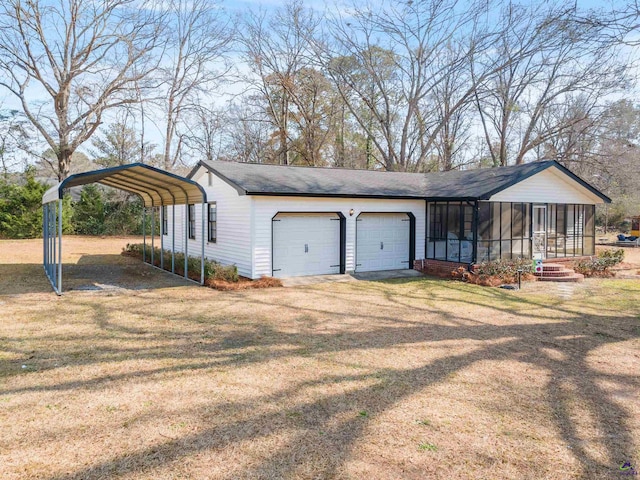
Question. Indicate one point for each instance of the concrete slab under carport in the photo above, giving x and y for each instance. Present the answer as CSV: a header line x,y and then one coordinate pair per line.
x,y
354,277
112,272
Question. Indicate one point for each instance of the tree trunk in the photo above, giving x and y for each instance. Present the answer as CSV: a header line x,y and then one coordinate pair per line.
x,y
64,162
341,149
168,136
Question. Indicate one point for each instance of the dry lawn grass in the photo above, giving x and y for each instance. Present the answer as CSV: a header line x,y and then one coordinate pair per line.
x,y
414,378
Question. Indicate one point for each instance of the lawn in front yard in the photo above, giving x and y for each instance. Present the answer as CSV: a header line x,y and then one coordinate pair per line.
x,y
403,379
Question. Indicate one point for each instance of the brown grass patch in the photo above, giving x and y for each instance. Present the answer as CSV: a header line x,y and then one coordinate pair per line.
x,y
496,281
243,283
410,378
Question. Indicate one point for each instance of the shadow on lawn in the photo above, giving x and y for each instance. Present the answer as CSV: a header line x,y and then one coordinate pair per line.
x,y
327,429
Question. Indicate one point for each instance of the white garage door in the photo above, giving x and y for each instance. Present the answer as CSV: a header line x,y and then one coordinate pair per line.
x,y
382,241
306,244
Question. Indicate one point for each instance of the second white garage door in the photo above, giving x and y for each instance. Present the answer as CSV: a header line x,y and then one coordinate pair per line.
x,y
382,241
306,244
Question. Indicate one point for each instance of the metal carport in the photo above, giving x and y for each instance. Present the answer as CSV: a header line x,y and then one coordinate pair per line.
x,y
157,188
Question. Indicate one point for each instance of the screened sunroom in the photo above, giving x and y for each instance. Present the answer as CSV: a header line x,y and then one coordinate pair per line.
x,y
479,231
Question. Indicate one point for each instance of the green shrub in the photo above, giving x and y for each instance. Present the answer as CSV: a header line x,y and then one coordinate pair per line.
x,y
89,210
99,212
21,208
124,217
601,264
504,268
496,272
212,269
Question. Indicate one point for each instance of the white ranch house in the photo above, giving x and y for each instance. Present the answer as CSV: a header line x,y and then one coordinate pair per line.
x,y
287,221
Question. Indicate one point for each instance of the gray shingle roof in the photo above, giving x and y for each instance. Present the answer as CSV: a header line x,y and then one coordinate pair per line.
x,y
286,180
259,179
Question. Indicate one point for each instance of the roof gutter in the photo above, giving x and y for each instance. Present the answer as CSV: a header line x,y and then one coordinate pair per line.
x,y
333,195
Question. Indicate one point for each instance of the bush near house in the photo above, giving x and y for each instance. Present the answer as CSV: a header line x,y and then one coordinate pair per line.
x,y
212,270
218,276
496,272
600,265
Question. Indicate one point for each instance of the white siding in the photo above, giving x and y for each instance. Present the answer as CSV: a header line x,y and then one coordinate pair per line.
x,y
179,226
549,186
233,245
265,208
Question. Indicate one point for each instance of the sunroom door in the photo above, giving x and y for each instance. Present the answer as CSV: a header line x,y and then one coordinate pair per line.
x,y
539,232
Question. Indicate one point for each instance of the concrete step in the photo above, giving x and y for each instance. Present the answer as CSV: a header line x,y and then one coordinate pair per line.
x,y
557,272
565,272
552,267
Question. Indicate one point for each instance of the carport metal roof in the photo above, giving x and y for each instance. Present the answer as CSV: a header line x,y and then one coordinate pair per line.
x,y
156,187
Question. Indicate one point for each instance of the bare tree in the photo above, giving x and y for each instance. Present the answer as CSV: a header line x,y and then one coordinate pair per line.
x,y
371,98
314,106
388,62
247,135
205,131
118,144
276,48
198,38
604,148
16,136
549,56
620,21
452,113
81,56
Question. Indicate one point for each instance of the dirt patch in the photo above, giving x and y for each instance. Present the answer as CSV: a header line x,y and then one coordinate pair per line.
x,y
408,378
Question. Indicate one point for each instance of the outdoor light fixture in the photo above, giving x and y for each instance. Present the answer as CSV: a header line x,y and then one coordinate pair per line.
x,y
351,212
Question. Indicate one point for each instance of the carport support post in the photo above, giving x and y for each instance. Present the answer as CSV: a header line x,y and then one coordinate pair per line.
x,y
49,243
202,251
44,236
60,247
54,255
173,238
52,233
48,264
52,240
144,234
153,233
162,219
186,240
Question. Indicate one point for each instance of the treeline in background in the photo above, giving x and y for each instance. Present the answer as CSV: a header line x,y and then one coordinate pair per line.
x,y
95,210
417,86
